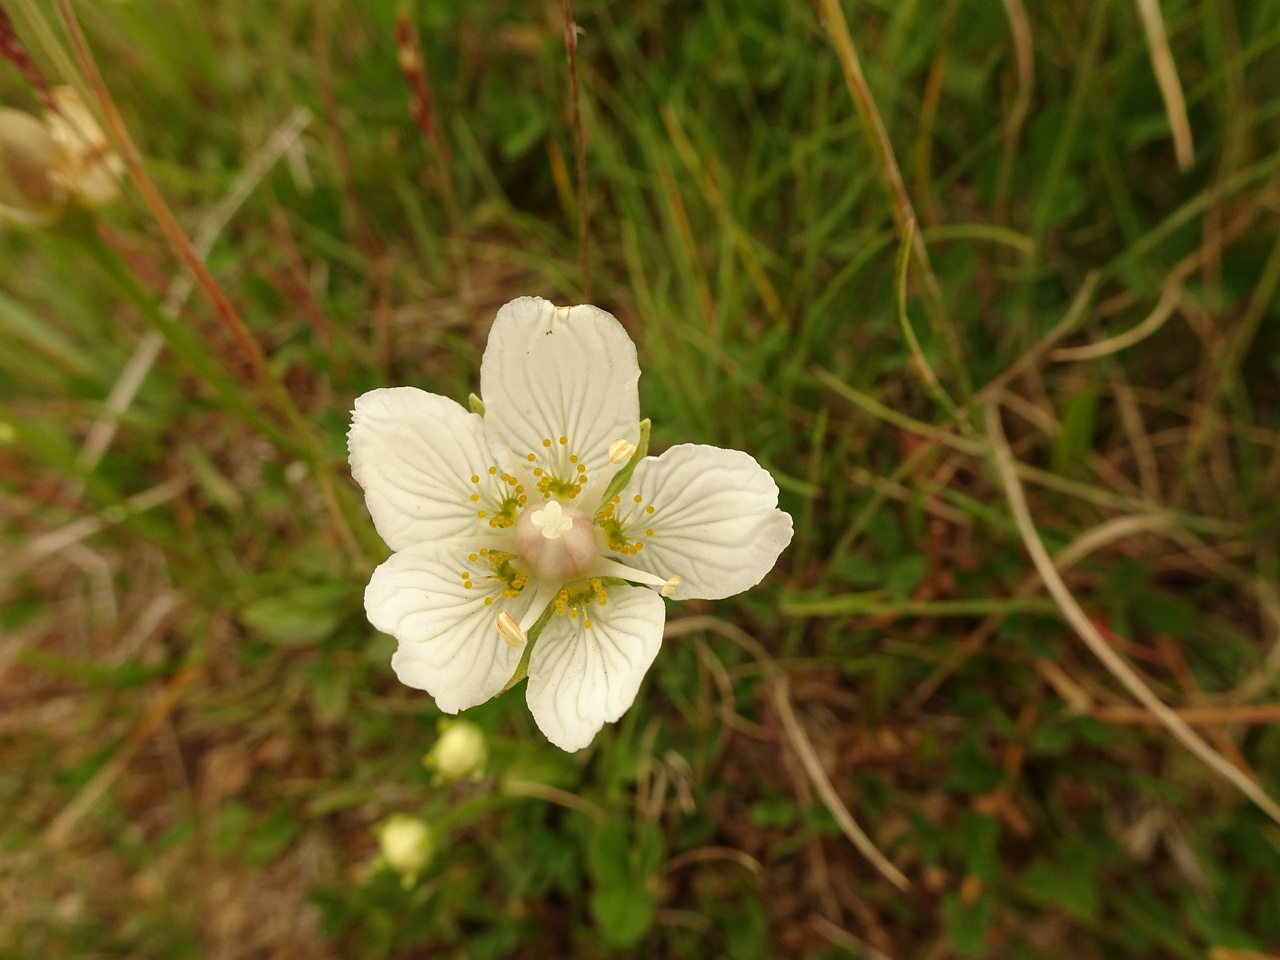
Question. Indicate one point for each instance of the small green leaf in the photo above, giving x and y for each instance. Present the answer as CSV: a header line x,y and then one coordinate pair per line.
x,y
609,853
623,913
967,925
1067,882
330,689
299,617
1078,422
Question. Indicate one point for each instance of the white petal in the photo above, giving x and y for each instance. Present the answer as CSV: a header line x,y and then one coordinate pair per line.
x,y
550,372
414,453
580,677
716,522
449,642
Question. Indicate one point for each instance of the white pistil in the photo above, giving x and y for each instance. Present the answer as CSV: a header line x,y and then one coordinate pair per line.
x,y
510,631
551,521
620,451
555,543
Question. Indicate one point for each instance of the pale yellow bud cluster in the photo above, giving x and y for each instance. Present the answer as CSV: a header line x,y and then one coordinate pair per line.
x,y
406,846
461,753
46,165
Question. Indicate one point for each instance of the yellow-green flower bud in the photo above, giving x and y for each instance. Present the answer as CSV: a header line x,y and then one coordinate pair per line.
x,y
460,754
406,846
90,168
32,193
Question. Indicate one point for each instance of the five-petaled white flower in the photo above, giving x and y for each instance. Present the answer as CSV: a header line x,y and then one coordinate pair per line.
x,y
501,520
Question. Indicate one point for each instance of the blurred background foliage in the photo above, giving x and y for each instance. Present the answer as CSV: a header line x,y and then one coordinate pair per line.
x,y
199,732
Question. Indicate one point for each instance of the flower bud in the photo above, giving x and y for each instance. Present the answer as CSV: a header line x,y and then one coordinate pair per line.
x,y
90,169
406,846
32,194
459,754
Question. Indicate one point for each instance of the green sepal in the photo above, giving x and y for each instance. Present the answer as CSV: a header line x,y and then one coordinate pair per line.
x,y
522,668
476,404
621,478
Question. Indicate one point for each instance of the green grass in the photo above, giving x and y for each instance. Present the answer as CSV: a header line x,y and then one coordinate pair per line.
x,y
198,729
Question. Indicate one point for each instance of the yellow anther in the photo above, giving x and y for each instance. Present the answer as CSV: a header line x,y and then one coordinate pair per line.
x,y
510,631
648,533
638,499
532,458
475,497
493,471
671,587
475,479
488,601
563,441
620,451
481,514
648,509
546,443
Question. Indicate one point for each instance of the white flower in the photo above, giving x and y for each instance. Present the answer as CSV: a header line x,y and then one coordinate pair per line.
x,y
459,754
500,521
406,846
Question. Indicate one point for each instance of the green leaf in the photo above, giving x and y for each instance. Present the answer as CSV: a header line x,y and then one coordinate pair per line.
x,y
904,575
330,689
1067,883
967,925
748,933
302,616
609,853
1076,439
623,913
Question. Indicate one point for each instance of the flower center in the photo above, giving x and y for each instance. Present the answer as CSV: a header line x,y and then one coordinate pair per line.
x,y
555,542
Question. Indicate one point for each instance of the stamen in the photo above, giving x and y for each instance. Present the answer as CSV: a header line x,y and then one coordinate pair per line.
x,y
673,584
510,631
620,451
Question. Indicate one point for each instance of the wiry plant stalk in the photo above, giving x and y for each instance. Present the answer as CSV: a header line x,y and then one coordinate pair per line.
x,y
13,50
1093,639
422,107
226,312
891,177
579,146
1167,77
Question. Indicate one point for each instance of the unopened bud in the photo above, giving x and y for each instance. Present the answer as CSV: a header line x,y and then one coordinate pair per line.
x,y
510,631
672,585
460,754
31,192
90,168
620,451
406,846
